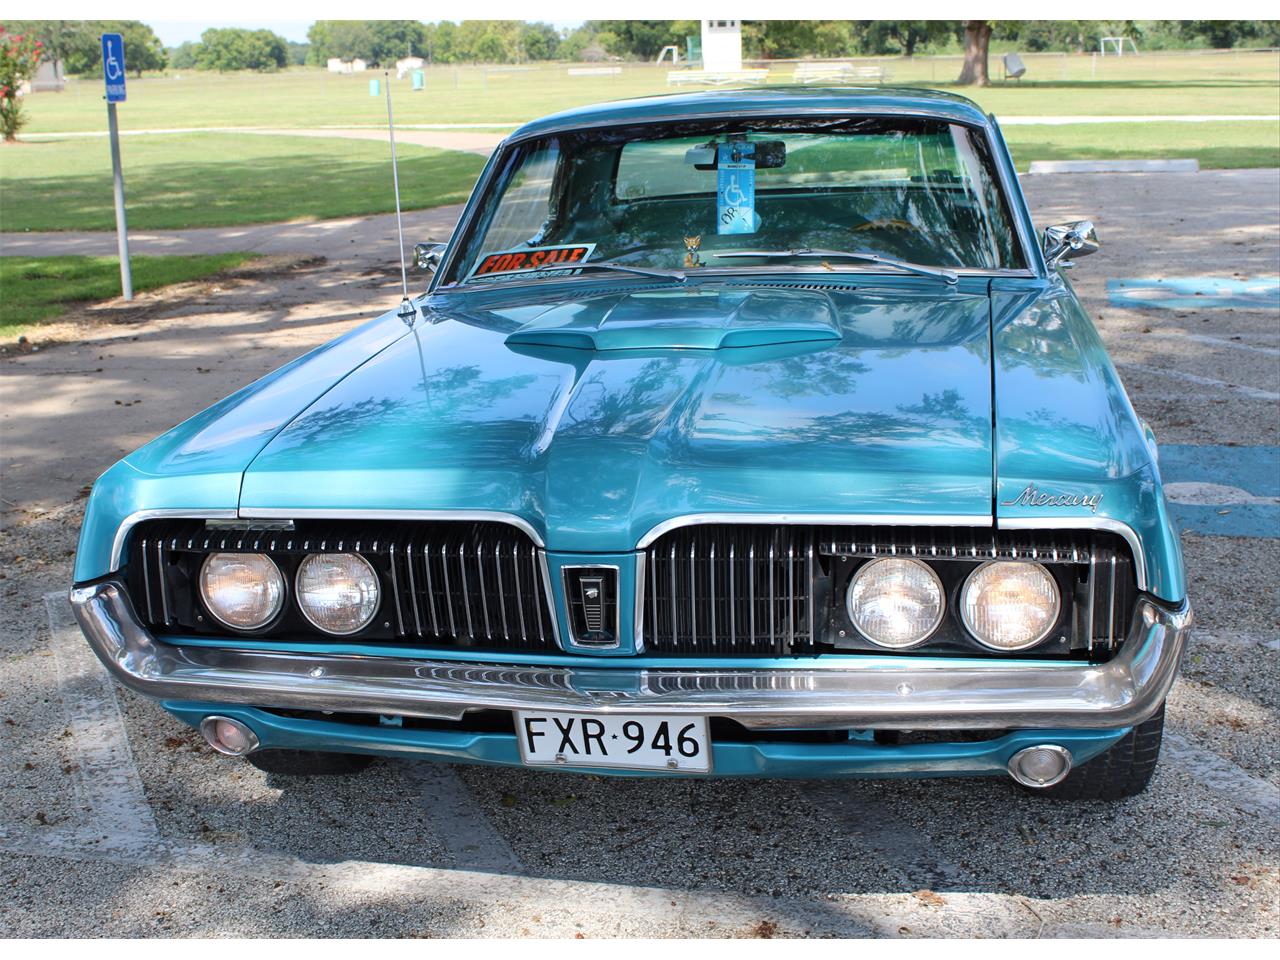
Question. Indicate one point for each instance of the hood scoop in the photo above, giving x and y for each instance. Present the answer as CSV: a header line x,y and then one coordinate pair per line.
x,y
685,320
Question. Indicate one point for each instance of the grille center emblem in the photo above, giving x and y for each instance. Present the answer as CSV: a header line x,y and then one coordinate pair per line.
x,y
591,596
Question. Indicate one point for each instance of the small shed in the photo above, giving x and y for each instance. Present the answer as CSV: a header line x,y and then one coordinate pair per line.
x,y
339,65
407,64
49,77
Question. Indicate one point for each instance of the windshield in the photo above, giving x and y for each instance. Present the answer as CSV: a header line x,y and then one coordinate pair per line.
x,y
675,197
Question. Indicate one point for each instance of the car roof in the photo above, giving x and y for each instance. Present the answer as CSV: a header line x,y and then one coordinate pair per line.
x,y
780,101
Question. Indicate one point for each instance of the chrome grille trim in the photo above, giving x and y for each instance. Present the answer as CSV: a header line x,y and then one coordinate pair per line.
x,y
706,583
446,584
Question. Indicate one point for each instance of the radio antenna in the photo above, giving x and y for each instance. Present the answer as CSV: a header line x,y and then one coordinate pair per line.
x,y
407,312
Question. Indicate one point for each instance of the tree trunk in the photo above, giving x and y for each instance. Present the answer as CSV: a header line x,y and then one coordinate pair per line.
x,y
977,38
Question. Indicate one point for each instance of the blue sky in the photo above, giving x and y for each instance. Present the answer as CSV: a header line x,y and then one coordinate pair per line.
x,y
174,32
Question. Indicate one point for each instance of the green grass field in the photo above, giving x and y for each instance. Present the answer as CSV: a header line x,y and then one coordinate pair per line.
x,y
185,180
1219,146
39,289
1192,83
210,179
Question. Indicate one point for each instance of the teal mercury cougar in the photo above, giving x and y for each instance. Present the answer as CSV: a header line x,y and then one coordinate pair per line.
x,y
742,433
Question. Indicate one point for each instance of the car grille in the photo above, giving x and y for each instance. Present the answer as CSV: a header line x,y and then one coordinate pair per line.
x,y
455,584
726,590
730,590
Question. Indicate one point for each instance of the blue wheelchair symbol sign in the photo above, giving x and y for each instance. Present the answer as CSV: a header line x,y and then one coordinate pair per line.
x,y
113,66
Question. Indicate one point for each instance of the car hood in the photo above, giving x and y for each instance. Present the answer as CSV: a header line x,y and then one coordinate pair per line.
x,y
595,418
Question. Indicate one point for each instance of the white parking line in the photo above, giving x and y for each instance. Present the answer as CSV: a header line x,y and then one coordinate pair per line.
x,y
465,831
108,787
886,837
1233,638
1253,392
1199,338
1247,792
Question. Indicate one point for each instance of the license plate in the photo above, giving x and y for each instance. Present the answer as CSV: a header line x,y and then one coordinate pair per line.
x,y
650,742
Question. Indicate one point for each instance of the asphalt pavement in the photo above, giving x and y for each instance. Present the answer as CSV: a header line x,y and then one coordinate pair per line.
x,y
116,820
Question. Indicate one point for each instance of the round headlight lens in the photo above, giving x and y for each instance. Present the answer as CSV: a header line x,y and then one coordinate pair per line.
x,y
895,602
1009,605
337,592
243,591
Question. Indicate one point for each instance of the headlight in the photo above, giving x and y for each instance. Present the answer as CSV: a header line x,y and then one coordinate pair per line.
x,y
1010,606
895,602
243,591
337,592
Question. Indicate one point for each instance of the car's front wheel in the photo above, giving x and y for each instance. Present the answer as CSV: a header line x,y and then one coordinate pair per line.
x,y
308,763
1124,770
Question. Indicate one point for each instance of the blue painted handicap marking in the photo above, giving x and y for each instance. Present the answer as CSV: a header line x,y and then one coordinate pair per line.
x,y
1195,293
1222,490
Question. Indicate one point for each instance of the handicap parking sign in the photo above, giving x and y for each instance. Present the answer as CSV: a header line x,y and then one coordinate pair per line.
x,y
113,66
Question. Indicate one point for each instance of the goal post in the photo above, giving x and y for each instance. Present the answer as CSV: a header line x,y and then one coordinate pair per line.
x,y
1116,46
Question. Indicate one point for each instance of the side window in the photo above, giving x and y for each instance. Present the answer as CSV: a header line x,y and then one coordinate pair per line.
x,y
526,202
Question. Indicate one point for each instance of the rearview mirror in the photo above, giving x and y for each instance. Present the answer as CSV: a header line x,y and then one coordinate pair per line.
x,y
1077,238
768,154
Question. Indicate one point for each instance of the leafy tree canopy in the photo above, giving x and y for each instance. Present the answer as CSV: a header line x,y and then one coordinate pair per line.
x,y
77,43
233,48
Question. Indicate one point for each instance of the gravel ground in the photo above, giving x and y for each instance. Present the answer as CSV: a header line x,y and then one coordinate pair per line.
x,y
118,821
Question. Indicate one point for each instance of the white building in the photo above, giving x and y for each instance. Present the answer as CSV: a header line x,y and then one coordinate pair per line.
x,y
721,45
405,64
338,65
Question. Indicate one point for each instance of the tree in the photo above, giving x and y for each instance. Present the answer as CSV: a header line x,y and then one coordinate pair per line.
x,y
344,39
20,56
908,34
77,43
234,48
142,48
1224,34
183,56
539,41
393,39
977,42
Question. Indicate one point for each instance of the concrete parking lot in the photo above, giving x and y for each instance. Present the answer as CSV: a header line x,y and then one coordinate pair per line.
x,y
115,819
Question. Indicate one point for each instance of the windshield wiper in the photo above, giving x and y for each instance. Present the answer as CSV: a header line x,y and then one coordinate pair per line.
x,y
679,275
866,256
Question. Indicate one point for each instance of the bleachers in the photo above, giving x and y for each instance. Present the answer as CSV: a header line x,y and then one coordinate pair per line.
x,y
808,72
717,78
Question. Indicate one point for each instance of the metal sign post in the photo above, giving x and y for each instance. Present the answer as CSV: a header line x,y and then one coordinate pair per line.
x,y
113,75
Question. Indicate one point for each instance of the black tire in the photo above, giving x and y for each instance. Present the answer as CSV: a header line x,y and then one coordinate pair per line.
x,y
1124,770
308,763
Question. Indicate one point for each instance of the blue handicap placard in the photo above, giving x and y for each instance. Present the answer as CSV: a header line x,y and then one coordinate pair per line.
x,y
113,66
736,188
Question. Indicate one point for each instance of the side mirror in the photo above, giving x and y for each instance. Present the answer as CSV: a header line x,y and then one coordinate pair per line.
x,y
1078,239
427,255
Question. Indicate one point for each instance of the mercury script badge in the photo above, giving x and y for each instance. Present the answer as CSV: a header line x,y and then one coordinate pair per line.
x,y
1031,497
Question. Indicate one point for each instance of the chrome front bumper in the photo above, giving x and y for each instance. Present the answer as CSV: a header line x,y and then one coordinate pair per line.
x,y
853,693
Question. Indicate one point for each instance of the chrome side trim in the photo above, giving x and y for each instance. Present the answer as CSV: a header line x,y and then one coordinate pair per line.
x,y
834,519
852,692
553,610
637,637
133,519
326,513
1085,523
